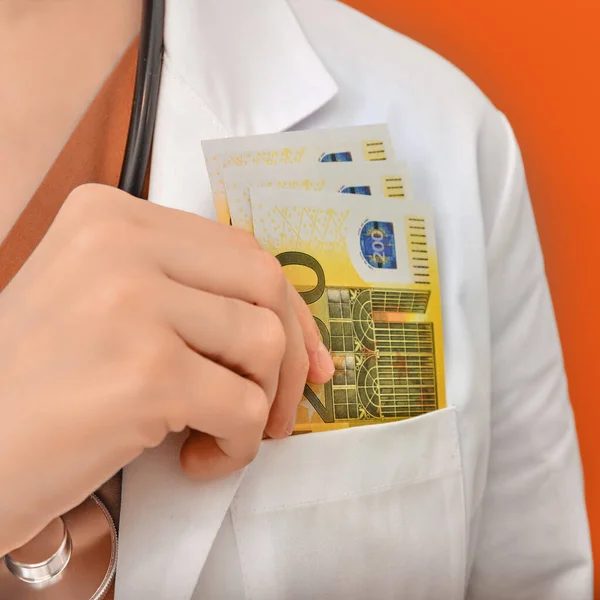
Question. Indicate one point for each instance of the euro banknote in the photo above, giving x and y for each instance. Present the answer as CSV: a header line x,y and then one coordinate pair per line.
x,y
368,271
388,179
348,144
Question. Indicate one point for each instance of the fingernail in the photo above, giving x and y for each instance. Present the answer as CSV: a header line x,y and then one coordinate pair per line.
x,y
291,424
324,359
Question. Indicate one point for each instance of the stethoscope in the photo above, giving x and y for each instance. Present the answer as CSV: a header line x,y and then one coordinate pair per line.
x,y
145,99
74,557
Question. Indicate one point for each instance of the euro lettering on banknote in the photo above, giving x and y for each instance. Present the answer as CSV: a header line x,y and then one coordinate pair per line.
x,y
349,144
368,271
388,179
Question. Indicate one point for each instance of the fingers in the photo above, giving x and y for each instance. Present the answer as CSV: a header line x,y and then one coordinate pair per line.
x,y
204,233
227,262
320,363
292,376
236,267
249,274
213,261
250,340
159,218
228,410
306,358
203,459
243,337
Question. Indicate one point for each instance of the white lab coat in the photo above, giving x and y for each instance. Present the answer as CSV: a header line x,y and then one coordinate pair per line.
x,y
482,500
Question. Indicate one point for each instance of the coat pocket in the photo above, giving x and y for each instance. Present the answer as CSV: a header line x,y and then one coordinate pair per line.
x,y
369,512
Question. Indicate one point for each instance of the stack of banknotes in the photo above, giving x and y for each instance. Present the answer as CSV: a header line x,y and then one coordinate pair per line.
x,y
337,210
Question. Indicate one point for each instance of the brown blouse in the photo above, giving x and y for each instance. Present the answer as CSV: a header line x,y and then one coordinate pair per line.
x,y
93,154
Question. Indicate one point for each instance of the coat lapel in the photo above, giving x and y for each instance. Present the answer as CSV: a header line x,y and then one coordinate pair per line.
x,y
248,62
231,67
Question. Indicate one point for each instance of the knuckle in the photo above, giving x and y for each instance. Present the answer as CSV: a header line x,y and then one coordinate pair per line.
x,y
86,193
250,455
120,294
95,236
145,380
297,365
93,204
85,200
302,364
244,238
274,282
152,366
247,455
152,432
255,406
271,337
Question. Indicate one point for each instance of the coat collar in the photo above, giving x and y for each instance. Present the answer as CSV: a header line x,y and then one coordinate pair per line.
x,y
249,63
232,67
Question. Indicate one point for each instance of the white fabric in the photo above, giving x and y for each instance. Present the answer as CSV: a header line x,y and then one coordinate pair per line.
x,y
338,521
483,500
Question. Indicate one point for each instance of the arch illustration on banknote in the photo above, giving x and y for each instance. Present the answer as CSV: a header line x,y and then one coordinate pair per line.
x,y
384,364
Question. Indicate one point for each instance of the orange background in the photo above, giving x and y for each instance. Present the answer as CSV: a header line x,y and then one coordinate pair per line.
x,y
539,62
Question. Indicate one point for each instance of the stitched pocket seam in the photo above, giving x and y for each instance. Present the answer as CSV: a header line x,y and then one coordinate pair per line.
x,y
348,495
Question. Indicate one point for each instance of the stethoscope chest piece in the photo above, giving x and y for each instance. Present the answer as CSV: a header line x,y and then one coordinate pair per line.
x,y
74,558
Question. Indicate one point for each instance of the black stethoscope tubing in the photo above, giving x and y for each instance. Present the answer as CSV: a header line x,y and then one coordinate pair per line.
x,y
145,99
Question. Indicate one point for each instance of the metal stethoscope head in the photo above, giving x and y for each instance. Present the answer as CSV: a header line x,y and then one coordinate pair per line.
x,y
74,557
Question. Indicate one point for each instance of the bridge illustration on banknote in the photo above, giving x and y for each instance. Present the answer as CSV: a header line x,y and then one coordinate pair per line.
x,y
384,362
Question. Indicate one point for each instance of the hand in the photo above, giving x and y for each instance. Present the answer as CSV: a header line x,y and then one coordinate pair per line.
x,y
128,322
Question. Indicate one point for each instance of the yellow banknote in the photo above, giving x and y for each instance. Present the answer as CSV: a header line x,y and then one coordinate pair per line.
x,y
316,146
384,178
369,273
